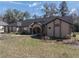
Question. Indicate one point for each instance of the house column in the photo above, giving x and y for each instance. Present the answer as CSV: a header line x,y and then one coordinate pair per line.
x,y
4,28
60,29
54,29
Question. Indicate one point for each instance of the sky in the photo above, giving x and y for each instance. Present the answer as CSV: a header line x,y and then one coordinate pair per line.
x,y
34,7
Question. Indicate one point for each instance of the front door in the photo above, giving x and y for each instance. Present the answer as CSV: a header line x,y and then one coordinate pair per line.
x,y
36,30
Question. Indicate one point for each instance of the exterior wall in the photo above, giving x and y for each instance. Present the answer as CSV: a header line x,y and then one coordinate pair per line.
x,y
14,29
65,29
58,29
6,29
1,29
50,29
10,29
36,25
26,29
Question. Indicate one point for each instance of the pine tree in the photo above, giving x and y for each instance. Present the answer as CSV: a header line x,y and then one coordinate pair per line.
x,y
63,9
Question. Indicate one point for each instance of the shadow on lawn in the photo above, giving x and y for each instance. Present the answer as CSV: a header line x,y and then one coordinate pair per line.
x,y
36,36
41,37
57,40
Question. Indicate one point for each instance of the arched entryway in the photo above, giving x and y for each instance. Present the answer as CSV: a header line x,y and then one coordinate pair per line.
x,y
36,30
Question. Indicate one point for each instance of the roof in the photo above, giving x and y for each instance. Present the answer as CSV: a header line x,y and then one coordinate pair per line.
x,y
30,21
13,24
66,19
46,20
3,23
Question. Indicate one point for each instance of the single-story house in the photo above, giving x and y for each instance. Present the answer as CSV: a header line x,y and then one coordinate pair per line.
x,y
2,26
51,26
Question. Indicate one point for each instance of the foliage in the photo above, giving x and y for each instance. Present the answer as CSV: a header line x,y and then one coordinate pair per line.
x,y
74,35
76,27
36,16
13,15
49,9
63,9
24,32
45,9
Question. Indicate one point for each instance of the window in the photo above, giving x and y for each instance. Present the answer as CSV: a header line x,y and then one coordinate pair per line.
x,y
49,27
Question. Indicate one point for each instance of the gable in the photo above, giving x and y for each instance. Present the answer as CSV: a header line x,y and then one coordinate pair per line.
x,y
57,20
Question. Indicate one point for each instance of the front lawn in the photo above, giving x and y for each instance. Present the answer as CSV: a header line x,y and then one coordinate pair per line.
x,y
25,46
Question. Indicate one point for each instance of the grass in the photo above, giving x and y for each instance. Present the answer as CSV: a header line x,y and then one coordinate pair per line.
x,y
25,46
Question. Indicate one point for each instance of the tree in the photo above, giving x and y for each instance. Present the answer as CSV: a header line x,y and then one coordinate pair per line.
x,y
76,27
23,16
74,15
50,9
63,9
45,9
13,15
36,16
53,9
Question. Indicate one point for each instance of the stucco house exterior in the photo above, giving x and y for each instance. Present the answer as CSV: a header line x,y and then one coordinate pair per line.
x,y
51,26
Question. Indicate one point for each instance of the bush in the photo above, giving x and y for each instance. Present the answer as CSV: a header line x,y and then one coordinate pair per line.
x,y
52,38
17,32
74,35
23,33
67,37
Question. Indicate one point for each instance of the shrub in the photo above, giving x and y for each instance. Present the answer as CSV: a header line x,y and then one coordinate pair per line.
x,y
52,38
67,37
23,32
74,35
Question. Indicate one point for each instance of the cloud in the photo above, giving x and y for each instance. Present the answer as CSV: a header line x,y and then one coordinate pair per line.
x,y
33,4
73,11
13,2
